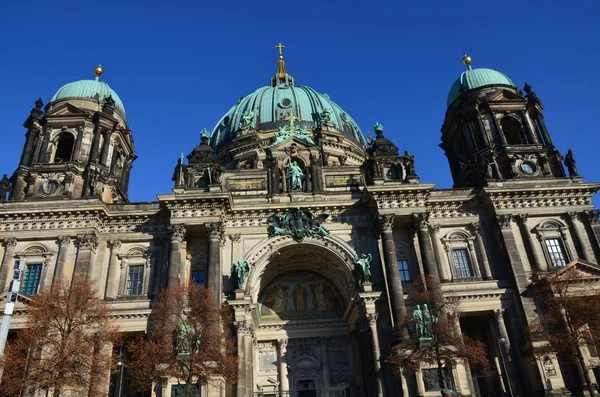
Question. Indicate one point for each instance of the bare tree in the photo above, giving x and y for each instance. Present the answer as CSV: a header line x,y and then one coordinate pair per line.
x,y
569,315
67,345
432,339
188,341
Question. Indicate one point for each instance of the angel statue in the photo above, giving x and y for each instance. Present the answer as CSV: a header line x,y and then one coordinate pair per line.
x,y
240,272
363,265
315,223
248,121
295,177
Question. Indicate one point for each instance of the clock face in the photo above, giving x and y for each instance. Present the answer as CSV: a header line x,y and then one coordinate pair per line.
x,y
528,168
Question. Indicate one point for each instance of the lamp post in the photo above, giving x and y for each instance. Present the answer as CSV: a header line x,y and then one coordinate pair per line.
x,y
121,365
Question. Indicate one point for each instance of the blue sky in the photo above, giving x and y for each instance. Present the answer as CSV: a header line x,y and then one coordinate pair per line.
x,y
179,66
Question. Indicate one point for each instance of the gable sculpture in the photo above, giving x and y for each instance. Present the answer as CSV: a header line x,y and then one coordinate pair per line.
x,y
298,224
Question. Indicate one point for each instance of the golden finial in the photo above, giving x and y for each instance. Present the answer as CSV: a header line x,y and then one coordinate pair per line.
x,y
280,63
467,60
98,71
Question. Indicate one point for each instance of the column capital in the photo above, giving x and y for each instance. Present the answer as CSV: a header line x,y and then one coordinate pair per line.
x,y
115,244
64,240
421,220
499,314
572,215
215,230
235,237
592,216
435,228
476,226
243,327
504,221
523,218
385,222
88,242
177,232
10,242
283,343
372,318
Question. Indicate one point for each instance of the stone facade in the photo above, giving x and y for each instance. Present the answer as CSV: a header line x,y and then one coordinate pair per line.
x,y
305,323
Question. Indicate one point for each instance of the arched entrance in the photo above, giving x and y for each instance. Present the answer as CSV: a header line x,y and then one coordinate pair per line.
x,y
304,308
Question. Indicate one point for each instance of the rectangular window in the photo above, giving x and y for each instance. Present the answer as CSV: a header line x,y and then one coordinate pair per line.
x,y
135,280
199,277
556,252
403,269
462,263
31,281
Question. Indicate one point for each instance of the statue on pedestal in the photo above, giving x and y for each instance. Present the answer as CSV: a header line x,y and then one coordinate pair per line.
x,y
4,187
240,271
571,164
181,174
363,266
295,177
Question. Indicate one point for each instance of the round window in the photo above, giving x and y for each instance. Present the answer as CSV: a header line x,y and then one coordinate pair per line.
x,y
528,167
225,121
344,117
285,103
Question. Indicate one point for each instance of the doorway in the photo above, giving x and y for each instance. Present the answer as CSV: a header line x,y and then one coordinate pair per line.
x,y
306,388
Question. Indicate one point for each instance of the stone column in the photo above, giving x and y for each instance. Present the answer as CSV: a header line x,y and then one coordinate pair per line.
x,y
579,236
214,277
594,224
385,223
372,320
7,262
284,382
357,361
64,249
95,144
176,260
536,263
28,146
421,222
78,143
440,253
241,329
458,332
486,271
509,366
325,362
112,279
540,120
86,252
105,147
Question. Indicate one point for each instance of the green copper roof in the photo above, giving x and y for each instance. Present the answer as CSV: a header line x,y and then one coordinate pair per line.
x,y
89,89
475,78
272,105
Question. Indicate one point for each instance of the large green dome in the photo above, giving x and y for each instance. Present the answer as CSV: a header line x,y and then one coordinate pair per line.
x,y
475,78
273,105
89,89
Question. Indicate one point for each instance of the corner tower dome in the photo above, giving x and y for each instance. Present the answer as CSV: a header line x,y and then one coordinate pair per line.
x,y
90,89
272,106
476,78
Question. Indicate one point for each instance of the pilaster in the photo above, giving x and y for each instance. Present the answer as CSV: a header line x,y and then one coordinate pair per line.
x,y
10,244
176,259
112,279
87,245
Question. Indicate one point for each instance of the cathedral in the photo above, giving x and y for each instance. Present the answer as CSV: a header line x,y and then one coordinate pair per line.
x,y
313,232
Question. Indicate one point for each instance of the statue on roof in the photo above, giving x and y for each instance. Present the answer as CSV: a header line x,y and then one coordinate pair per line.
x,y
180,174
4,187
408,161
325,116
248,120
214,173
571,164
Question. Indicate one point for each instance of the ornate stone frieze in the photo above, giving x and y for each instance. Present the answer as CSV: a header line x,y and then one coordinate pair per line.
x,y
177,232
88,242
541,198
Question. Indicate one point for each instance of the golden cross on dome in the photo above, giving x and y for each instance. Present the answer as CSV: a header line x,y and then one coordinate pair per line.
x,y
280,47
291,118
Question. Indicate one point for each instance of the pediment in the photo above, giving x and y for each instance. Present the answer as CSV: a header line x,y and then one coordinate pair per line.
x,y
505,95
581,269
288,142
66,109
21,299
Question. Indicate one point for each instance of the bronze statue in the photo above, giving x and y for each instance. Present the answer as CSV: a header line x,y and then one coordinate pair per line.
x,y
180,175
215,171
4,187
571,164
409,164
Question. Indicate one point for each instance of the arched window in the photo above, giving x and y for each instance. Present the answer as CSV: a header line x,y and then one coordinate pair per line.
x,y
513,131
64,148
